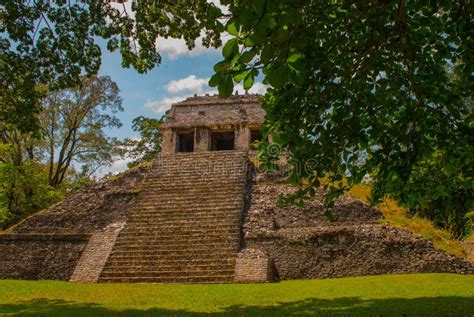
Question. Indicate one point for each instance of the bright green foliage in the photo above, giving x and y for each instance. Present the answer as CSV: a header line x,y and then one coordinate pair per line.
x,y
434,295
37,169
365,87
24,187
148,145
55,42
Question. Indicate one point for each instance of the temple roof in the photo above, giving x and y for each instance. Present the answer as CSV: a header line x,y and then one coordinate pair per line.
x,y
216,100
211,110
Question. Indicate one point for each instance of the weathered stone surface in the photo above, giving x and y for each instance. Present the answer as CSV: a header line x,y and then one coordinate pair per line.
x,y
304,244
253,266
90,209
185,226
49,244
35,257
95,254
200,117
265,214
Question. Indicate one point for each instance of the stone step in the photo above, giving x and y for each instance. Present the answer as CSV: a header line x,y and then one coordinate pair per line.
x,y
215,156
180,182
151,247
215,195
164,251
197,172
184,221
168,268
173,239
182,202
177,280
224,234
189,207
171,257
174,273
164,263
178,229
159,215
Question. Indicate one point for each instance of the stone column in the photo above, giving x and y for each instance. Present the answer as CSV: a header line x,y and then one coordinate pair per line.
x,y
202,139
169,142
242,137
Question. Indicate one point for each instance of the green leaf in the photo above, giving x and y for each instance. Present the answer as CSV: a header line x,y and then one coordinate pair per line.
x,y
230,48
232,29
278,75
221,66
267,54
215,80
226,86
241,75
248,83
247,56
294,57
258,6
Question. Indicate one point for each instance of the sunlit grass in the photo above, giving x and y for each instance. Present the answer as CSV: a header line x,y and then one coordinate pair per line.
x,y
396,216
389,295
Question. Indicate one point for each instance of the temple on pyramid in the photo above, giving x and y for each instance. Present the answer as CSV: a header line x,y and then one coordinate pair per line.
x,y
203,213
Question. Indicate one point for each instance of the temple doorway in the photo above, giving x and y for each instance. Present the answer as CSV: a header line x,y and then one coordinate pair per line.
x,y
221,141
185,142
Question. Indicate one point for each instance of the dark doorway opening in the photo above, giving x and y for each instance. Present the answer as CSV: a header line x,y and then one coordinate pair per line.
x,y
222,141
185,142
255,136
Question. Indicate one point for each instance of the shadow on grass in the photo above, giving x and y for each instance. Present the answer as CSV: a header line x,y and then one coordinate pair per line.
x,y
348,306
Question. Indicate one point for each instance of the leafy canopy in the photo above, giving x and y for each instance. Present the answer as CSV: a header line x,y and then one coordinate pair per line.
x,y
364,87
54,43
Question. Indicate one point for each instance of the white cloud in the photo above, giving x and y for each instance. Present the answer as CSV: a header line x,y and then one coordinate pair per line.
x,y
183,88
190,84
162,105
116,167
174,48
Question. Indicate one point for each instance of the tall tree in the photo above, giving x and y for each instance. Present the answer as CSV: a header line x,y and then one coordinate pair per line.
x,y
74,121
38,169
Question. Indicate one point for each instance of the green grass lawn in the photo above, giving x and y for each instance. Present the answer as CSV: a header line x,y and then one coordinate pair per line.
x,y
391,295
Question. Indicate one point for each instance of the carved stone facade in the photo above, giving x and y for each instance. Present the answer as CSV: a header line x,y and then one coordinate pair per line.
x,y
209,123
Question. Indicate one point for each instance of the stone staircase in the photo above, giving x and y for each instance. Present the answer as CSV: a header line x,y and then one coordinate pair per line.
x,y
186,225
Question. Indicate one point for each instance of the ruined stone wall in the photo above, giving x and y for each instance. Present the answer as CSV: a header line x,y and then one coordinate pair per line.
x,y
90,209
302,243
49,244
212,111
36,257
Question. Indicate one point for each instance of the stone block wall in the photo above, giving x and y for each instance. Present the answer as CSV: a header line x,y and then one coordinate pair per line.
x,y
253,266
95,254
49,244
352,251
36,257
303,243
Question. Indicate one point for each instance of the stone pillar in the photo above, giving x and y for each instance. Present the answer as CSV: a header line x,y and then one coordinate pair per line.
x,y
242,137
202,139
169,142
253,266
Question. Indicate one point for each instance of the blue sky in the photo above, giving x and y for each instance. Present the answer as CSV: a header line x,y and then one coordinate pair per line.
x,y
137,90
